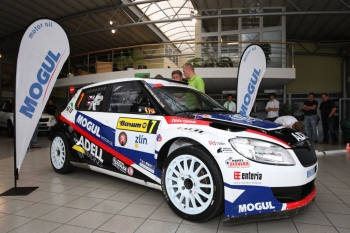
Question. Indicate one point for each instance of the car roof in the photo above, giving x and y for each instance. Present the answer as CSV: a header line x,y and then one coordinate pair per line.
x,y
153,82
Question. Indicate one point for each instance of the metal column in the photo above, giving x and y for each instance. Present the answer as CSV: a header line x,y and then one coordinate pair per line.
x,y
284,99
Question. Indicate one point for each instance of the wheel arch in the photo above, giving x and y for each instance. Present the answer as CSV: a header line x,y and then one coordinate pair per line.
x,y
177,143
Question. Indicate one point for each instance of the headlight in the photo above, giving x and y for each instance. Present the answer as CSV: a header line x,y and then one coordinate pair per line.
x,y
52,118
261,151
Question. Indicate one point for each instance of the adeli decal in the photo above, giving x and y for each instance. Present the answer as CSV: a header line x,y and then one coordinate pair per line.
x,y
138,125
89,149
180,120
97,142
244,120
266,135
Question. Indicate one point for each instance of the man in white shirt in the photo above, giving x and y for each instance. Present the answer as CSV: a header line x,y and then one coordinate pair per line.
x,y
290,122
272,108
229,104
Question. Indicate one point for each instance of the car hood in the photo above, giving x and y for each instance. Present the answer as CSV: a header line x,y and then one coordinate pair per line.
x,y
241,120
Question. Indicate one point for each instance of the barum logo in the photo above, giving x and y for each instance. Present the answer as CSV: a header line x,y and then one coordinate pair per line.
x,y
88,125
36,89
251,88
257,206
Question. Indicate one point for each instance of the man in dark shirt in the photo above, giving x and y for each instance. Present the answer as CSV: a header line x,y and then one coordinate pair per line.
x,y
310,116
327,110
51,109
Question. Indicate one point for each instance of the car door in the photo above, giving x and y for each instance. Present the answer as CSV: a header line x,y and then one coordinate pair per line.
x,y
136,121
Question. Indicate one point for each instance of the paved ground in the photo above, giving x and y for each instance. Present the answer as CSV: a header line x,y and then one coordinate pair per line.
x,y
85,201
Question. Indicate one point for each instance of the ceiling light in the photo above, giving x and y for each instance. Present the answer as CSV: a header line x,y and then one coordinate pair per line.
x,y
193,20
113,30
111,22
195,12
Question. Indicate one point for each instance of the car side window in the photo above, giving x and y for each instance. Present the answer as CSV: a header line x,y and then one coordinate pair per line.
x,y
91,99
7,107
129,98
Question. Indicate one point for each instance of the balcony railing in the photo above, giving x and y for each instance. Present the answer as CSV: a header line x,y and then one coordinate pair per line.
x,y
169,55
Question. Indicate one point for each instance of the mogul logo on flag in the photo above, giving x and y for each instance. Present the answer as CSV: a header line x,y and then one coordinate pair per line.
x,y
251,70
44,49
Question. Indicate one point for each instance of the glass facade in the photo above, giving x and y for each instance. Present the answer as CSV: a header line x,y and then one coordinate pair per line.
x,y
234,34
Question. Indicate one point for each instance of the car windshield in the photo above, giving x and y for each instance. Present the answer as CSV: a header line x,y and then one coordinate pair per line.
x,y
181,99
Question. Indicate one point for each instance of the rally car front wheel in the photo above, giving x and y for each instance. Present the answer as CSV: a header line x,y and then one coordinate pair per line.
x,y
60,154
192,184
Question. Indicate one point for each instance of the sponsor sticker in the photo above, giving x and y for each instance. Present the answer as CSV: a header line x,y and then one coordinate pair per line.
x,y
69,108
255,206
119,164
147,166
138,125
140,140
214,143
299,136
234,163
311,172
191,130
130,171
247,176
122,138
90,149
88,125
179,120
224,150
159,138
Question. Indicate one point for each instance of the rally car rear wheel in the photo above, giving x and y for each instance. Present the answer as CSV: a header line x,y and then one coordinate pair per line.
x,y
192,184
60,154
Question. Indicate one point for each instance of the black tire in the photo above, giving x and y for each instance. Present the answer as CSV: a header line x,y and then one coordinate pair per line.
x,y
187,184
60,155
9,129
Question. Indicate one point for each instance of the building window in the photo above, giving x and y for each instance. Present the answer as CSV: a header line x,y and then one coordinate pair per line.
x,y
210,25
272,20
231,23
250,21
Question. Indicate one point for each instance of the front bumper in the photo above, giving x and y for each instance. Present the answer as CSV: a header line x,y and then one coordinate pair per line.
x,y
280,210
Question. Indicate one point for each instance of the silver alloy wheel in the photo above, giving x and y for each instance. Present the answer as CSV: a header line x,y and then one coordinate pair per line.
x,y
189,184
58,153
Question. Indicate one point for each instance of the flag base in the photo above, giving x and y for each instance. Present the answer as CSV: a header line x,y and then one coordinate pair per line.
x,y
18,191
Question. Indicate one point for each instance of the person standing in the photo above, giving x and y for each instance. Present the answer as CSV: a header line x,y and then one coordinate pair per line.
x,y
177,75
229,104
310,116
193,79
272,108
34,139
50,108
327,110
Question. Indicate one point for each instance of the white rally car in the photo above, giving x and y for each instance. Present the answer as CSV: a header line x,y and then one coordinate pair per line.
x,y
206,160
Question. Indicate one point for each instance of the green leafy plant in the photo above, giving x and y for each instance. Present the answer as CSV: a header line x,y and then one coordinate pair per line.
x,y
287,109
129,61
211,62
267,50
